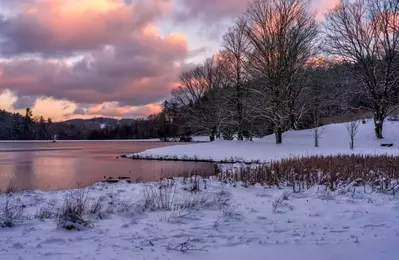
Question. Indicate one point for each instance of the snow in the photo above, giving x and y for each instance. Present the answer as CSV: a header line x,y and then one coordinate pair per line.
x,y
232,222
199,138
334,140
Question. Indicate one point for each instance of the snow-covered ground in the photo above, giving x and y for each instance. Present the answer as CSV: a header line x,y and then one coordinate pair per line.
x,y
223,221
334,140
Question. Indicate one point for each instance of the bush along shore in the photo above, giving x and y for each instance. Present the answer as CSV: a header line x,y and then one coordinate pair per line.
x,y
188,159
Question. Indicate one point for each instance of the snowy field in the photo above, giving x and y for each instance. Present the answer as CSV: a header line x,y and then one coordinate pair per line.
x,y
334,140
223,221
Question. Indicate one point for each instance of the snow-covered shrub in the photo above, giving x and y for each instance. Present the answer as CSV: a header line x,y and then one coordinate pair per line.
x,y
47,211
127,206
97,208
227,212
194,184
231,211
158,197
278,200
325,194
10,212
74,212
166,197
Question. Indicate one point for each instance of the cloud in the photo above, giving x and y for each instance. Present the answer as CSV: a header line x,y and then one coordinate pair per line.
x,y
59,27
23,102
122,57
80,111
329,4
142,70
322,6
113,109
210,11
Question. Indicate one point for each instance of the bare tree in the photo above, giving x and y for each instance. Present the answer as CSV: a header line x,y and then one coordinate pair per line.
x,y
281,34
315,105
321,95
236,46
352,128
365,34
198,96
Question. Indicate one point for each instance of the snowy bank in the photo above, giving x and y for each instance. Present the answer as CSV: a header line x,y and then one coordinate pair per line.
x,y
218,220
334,140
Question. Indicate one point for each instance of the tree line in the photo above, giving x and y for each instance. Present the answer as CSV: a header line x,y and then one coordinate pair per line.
x,y
280,69
14,126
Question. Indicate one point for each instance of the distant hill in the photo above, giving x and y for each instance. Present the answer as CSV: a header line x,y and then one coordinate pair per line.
x,y
98,123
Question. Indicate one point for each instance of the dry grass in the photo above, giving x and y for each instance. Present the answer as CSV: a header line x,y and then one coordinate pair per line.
x,y
10,213
380,172
10,187
47,211
73,214
166,197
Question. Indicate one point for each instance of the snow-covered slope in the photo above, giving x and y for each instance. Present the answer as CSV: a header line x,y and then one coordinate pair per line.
x,y
231,222
334,140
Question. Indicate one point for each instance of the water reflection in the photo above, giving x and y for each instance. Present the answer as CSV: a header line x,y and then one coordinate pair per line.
x,y
49,166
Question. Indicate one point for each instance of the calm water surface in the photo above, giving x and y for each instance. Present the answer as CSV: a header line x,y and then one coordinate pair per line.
x,y
55,166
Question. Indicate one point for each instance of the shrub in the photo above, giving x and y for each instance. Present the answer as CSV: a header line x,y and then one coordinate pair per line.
x,y
10,213
166,197
10,187
97,208
73,214
48,211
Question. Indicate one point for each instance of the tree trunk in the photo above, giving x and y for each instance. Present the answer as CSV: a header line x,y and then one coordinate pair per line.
x,y
352,144
239,114
378,130
292,121
316,137
212,135
278,131
378,124
292,116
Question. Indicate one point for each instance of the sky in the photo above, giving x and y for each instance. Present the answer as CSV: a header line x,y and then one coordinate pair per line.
x,y
113,58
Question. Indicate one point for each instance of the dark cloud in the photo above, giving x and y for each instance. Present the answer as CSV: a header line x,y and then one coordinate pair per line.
x,y
79,111
23,102
210,11
199,51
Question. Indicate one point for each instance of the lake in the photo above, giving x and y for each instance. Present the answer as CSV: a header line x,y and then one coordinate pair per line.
x,y
63,165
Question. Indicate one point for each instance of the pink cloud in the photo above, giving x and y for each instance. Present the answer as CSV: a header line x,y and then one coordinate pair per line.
x,y
140,71
57,26
322,6
329,4
114,110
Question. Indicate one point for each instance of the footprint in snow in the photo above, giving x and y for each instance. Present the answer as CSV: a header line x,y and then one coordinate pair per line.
x,y
17,245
